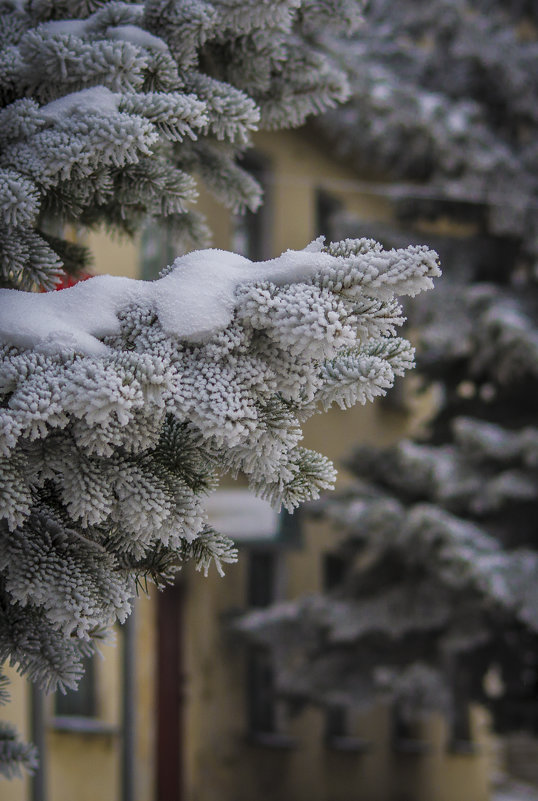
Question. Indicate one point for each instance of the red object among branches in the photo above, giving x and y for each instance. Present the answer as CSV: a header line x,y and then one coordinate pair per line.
x,y
69,280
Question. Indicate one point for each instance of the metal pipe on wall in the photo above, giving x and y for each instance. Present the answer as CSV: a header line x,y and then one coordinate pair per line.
x,y
128,723
38,783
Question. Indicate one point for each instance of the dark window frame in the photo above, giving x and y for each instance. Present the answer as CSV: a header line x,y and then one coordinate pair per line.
x,y
256,227
334,569
264,710
262,577
326,207
461,736
82,703
407,737
338,734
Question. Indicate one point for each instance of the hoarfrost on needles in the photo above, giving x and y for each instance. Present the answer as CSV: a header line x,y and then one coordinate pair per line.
x,y
124,401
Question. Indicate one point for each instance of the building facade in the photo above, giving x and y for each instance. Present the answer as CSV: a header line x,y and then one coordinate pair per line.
x,y
178,710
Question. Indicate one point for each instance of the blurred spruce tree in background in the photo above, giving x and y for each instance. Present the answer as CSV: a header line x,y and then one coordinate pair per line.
x,y
438,601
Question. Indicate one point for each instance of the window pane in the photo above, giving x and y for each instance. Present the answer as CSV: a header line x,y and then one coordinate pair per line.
x,y
261,692
334,571
252,230
82,701
336,722
326,207
261,578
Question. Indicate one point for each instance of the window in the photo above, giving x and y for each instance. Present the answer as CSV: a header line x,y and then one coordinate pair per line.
x,y
290,528
262,707
407,735
81,702
261,578
336,722
396,399
334,570
339,734
252,230
461,740
326,207
261,700
337,717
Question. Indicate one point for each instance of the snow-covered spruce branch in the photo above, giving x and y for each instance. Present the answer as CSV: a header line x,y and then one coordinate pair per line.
x,y
421,114
14,754
110,113
123,401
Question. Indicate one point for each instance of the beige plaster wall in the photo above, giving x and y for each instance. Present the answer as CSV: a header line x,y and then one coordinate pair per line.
x,y
114,255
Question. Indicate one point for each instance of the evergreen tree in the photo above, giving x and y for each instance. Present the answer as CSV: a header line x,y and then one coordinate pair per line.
x,y
123,401
438,604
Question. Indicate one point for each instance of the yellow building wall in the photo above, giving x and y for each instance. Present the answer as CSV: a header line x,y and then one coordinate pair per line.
x,y
114,255
220,765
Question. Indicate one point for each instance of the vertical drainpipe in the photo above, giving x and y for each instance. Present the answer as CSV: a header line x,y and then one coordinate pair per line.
x,y
38,782
128,723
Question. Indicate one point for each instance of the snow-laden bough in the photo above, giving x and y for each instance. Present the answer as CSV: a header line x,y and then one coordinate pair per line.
x,y
123,402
